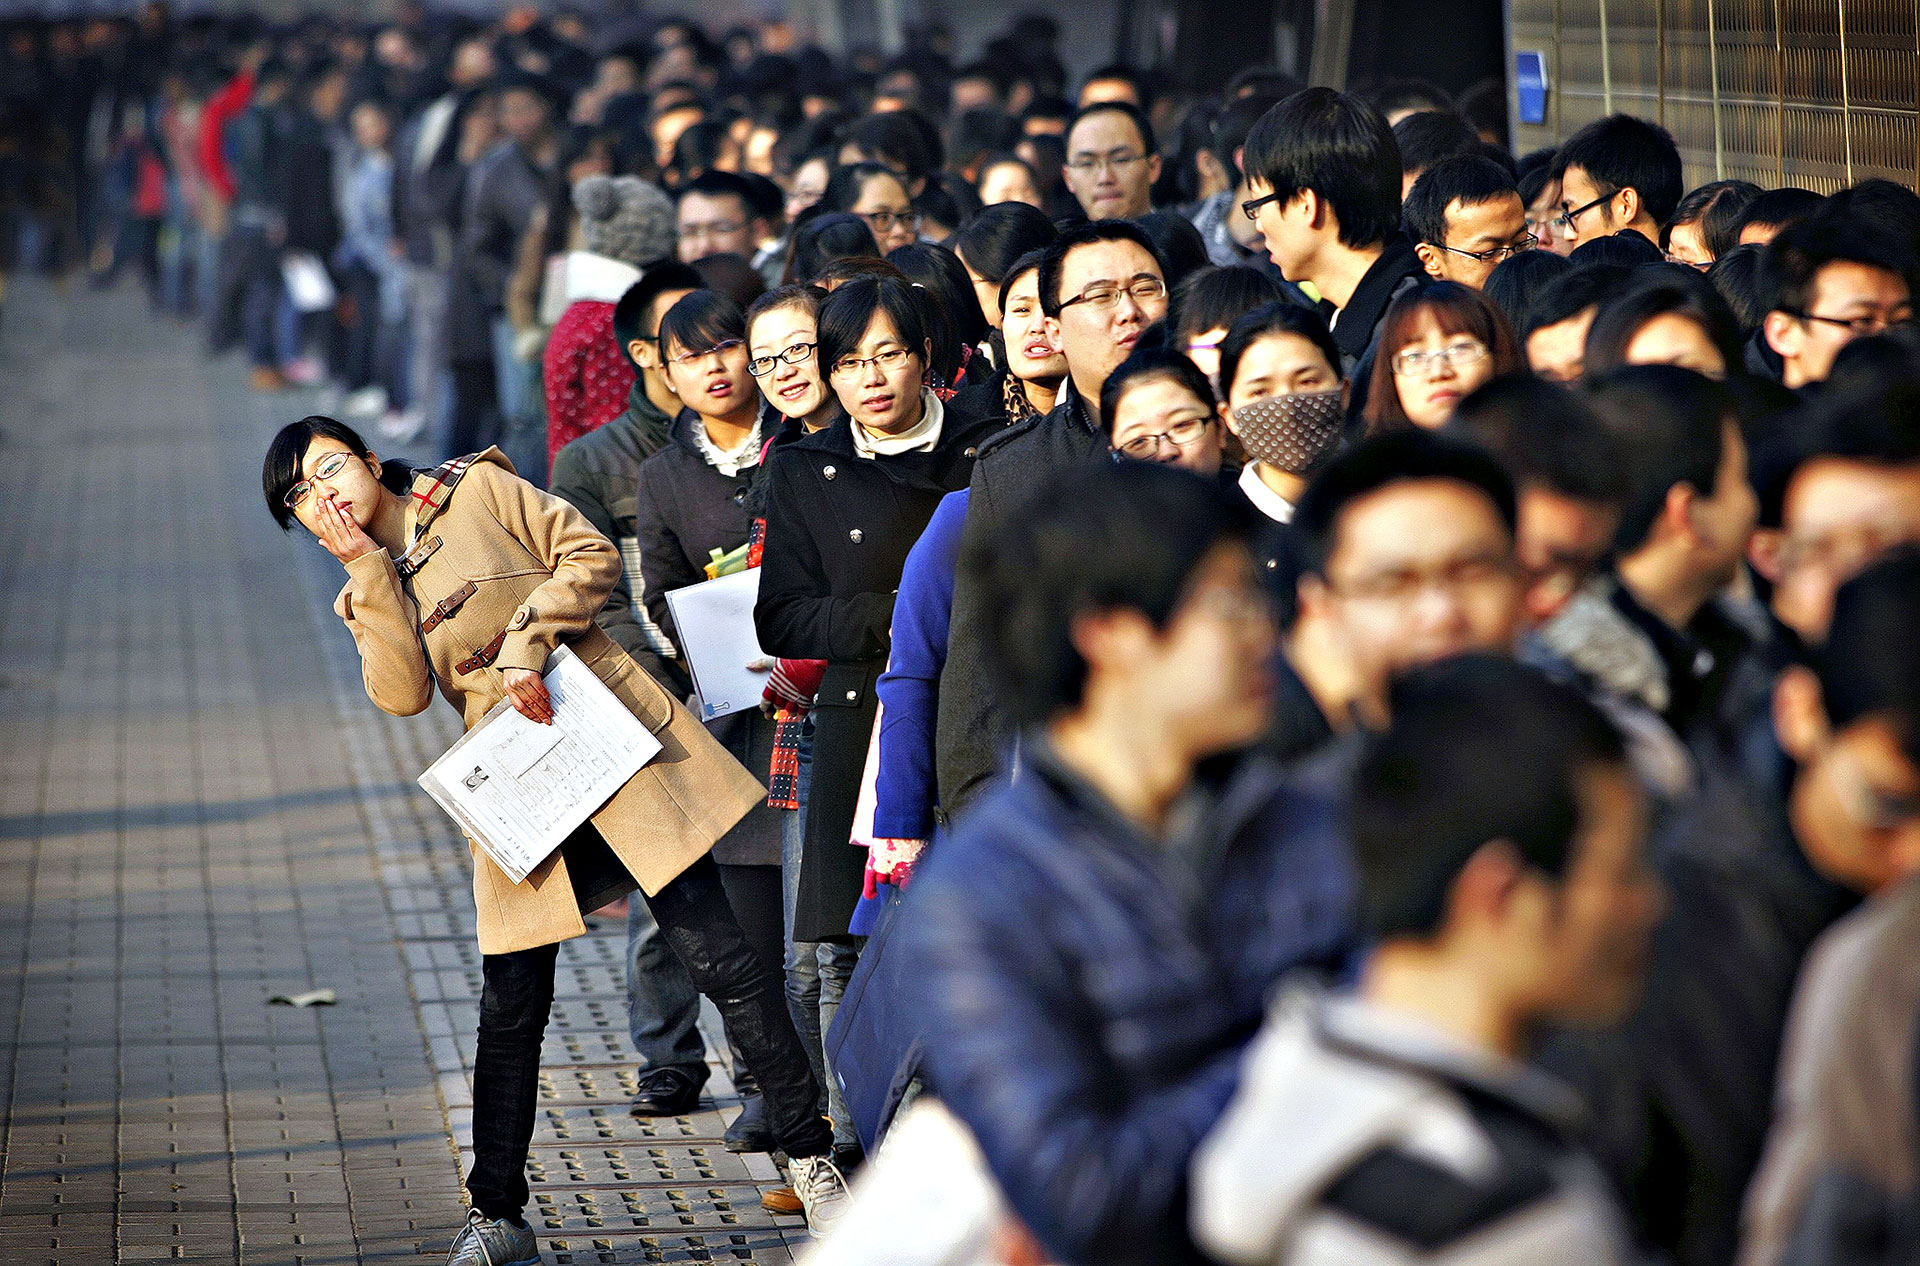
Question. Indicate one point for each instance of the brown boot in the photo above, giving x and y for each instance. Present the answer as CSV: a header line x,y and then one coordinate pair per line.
x,y
781,1200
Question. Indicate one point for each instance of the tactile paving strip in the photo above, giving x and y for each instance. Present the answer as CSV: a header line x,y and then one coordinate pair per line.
x,y
674,1210
594,1125
600,1164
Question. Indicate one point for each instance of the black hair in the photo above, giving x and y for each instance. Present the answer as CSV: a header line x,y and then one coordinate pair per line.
x,y
1716,207
824,238
1214,298
808,297
952,306
1624,250
1670,428
1534,172
845,185
700,321
1154,525
1467,179
721,184
1793,260
1894,208
1341,148
1406,93
1019,268
904,136
1546,436
1516,282
1182,251
1053,263
1134,115
1622,152
1480,748
1123,73
1150,363
732,275
1736,275
1484,105
1876,361
280,469
1269,82
980,131
1233,123
1679,292
1779,209
1869,420
848,311
1570,294
1001,234
948,201
1862,674
1275,318
1380,461
701,146
630,314
1429,136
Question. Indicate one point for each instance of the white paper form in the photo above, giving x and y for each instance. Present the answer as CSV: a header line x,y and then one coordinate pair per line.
x,y
715,620
519,788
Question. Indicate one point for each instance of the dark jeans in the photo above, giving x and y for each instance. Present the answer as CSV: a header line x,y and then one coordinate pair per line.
x,y
754,894
699,926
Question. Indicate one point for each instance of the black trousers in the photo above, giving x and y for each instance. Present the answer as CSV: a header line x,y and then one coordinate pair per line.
x,y
699,925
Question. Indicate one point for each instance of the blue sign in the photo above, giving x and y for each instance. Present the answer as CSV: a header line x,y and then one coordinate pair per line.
x,y
1530,81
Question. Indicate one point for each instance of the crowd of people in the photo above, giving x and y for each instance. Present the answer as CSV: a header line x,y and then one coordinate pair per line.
x,y
1333,694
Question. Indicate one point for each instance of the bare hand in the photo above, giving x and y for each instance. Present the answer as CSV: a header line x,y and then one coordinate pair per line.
x,y
529,694
339,535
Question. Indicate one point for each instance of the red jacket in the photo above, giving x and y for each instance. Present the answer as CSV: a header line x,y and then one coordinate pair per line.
x,y
587,376
221,109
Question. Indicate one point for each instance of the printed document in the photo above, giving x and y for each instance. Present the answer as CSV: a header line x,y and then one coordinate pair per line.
x,y
715,620
519,788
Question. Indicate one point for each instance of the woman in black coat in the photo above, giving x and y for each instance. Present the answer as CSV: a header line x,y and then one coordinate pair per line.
x,y
843,508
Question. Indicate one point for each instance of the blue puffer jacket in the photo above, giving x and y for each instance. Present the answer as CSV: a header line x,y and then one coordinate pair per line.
x,y
1085,993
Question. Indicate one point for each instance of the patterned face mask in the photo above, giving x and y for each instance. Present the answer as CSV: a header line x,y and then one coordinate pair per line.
x,y
1292,432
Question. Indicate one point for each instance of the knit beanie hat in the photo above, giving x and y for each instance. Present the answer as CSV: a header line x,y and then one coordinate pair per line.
x,y
625,218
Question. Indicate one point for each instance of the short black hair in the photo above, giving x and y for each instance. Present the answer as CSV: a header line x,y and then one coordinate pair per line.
x,y
848,311
1053,262
702,320
1736,275
1027,263
1183,252
1231,126
1779,209
906,137
1793,260
1716,207
1546,435
1622,152
1150,363
1656,292
1894,208
1517,282
1149,146
1341,148
1569,295
1037,575
953,309
1279,317
1001,234
1214,298
1467,179
1406,93
846,183
1480,748
1429,136
820,240
947,202
1670,427
1626,250
1533,172
1872,423
1861,668
1125,74
1380,461
630,315
280,469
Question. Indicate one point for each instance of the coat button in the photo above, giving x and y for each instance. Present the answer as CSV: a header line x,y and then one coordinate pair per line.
x,y
1273,564
852,695
971,450
829,472
856,535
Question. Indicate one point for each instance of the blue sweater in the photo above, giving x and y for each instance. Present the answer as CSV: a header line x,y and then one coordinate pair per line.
x,y
904,792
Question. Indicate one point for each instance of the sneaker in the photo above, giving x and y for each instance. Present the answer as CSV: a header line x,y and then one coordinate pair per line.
x,y
822,1191
365,402
487,1241
781,1200
304,372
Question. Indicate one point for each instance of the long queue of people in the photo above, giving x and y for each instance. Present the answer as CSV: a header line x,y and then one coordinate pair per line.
x,y
1332,694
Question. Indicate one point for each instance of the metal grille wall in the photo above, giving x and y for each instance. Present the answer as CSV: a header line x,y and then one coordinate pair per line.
x,y
1816,93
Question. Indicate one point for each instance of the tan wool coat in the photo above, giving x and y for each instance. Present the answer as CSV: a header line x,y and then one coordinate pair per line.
x,y
500,574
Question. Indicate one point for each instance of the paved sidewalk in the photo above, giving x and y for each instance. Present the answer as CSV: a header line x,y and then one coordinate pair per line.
x,y
199,810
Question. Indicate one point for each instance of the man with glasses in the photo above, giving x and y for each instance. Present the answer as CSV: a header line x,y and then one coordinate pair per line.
x,y
1616,174
716,217
1101,285
1112,161
1829,281
1465,217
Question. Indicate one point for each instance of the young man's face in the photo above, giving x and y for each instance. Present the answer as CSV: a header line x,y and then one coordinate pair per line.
x,y
1562,541
1108,167
1208,675
1589,206
1723,523
1847,300
1856,806
1558,352
1477,228
1095,337
523,115
1837,518
714,224
1284,228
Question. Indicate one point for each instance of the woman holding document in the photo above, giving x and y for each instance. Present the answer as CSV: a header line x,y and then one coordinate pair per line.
x,y
467,578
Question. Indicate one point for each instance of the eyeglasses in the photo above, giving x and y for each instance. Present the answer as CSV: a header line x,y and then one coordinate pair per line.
x,y
687,360
1107,162
1399,588
1698,265
1871,323
884,221
799,353
1105,296
717,229
330,465
1143,448
1564,221
1413,361
888,361
1251,207
1495,254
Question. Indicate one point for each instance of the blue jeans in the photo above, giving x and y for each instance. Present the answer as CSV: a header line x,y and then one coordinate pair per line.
x,y
523,427
663,1011
817,971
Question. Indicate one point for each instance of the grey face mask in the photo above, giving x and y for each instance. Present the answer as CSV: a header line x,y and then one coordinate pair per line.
x,y
1292,432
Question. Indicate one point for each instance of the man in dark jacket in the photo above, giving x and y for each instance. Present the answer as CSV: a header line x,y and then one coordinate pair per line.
x,y
1101,286
1094,943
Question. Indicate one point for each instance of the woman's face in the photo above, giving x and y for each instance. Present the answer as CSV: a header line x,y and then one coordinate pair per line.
x,y
987,292
1278,364
809,183
1203,349
1008,182
795,389
1540,217
712,381
883,203
1433,370
1031,355
759,150
879,381
1672,339
354,487
1687,245
1159,420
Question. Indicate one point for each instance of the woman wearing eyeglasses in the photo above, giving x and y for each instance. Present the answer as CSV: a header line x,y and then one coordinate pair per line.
x,y
466,578
1437,344
783,334
879,196
844,506
1158,407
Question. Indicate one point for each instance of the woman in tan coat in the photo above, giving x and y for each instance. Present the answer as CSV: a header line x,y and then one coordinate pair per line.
x,y
466,578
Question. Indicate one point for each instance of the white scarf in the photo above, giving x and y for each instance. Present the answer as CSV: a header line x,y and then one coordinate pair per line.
x,y
921,437
729,462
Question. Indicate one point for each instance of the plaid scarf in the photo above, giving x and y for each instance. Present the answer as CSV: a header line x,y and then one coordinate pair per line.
x,y
432,488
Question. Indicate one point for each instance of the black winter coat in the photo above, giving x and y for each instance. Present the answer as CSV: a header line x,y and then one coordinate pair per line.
x,y
839,527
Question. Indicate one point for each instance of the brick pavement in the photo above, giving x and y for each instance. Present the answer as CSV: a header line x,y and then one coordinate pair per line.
x,y
198,810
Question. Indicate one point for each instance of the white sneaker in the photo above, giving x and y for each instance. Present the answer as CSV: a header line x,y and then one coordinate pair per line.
x,y
367,402
822,1191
